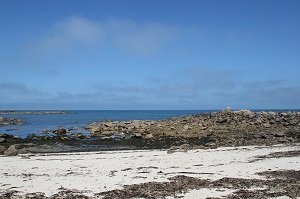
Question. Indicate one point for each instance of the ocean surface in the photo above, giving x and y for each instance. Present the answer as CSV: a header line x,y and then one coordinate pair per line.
x,y
35,124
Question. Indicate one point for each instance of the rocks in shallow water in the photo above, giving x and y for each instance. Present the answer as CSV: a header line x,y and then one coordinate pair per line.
x,y
81,136
11,151
10,121
60,131
5,135
46,131
65,138
105,138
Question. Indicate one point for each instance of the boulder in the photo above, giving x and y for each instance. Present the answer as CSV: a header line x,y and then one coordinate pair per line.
x,y
2,149
2,140
266,125
172,149
184,147
11,151
65,138
61,131
149,136
186,127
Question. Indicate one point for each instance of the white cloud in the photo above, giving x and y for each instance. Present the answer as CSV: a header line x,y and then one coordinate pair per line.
x,y
126,36
142,39
72,31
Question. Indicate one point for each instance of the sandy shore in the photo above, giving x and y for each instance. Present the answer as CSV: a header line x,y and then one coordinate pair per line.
x,y
96,172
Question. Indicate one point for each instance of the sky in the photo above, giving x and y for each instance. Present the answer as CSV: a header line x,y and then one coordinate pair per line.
x,y
150,54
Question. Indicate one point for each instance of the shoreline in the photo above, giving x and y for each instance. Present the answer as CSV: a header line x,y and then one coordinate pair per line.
x,y
231,154
205,130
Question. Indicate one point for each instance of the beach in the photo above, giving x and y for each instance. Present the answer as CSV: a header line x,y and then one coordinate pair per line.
x,y
227,154
100,174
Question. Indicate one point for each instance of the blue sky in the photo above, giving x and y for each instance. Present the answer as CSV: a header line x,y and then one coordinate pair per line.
x,y
134,54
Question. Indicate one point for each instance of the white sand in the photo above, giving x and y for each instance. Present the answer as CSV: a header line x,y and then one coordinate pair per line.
x,y
94,172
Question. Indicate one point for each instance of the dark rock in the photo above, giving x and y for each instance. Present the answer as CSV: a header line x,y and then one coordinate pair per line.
x,y
5,135
61,131
278,134
272,122
137,135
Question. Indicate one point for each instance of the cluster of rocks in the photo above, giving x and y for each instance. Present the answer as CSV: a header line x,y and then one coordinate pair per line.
x,y
122,129
10,121
11,150
243,127
61,133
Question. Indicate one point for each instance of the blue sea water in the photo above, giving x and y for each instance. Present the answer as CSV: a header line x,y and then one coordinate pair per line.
x,y
35,124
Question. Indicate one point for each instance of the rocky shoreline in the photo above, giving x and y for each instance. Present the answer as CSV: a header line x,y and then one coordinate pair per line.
x,y
207,130
227,128
228,154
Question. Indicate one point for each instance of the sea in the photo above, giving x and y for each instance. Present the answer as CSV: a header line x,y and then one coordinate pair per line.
x,y
79,119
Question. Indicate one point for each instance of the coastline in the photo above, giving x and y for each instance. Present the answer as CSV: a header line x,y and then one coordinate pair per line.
x,y
229,154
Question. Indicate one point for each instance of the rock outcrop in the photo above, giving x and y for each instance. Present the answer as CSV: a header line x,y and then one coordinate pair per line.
x,y
11,151
241,127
